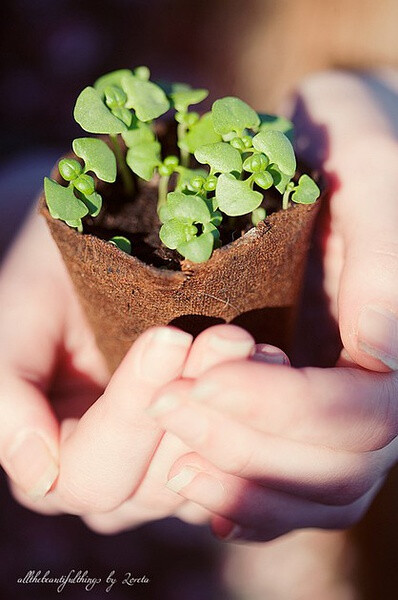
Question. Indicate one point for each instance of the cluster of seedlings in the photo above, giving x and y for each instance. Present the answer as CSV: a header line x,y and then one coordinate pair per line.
x,y
243,153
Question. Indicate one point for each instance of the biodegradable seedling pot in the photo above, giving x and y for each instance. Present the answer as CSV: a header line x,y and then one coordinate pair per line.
x,y
184,206
253,282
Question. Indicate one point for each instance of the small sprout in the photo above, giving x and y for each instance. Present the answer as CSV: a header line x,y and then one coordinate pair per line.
x,y
210,183
185,175
221,157
258,215
69,168
171,161
247,141
233,115
143,155
84,184
236,197
306,191
264,180
115,97
197,183
276,146
122,243
238,143
255,163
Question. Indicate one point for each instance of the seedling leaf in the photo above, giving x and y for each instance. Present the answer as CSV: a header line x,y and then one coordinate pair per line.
x,y
93,115
235,197
201,133
306,191
221,157
113,78
93,203
144,158
198,249
278,149
62,202
98,157
190,208
142,135
147,99
122,243
183,98
174,232
185,176
232,114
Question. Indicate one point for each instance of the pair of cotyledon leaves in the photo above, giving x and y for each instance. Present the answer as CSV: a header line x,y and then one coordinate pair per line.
x,y
62,202
189,225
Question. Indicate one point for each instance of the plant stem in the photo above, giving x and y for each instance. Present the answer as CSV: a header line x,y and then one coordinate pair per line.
x,y
162,191
285,199
124,171
184,154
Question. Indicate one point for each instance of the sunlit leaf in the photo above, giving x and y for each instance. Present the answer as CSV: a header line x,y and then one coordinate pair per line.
x,y
143,134
221,157
93,115
276,146
144,158
62,202
201,133
232,114
183,98
235,197
98,157
113,78
175,232
147,99
198,249
190,208
306,191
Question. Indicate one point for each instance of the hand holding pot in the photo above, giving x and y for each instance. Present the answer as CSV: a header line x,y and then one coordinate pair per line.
x,y
278,449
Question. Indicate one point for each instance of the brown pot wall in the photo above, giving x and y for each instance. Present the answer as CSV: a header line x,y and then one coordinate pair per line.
x,y
254,282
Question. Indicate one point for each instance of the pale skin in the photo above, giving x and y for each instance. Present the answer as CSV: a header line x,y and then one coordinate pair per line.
x,y
204,430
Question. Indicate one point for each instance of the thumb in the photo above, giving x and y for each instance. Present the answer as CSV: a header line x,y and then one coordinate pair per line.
x,y
367,209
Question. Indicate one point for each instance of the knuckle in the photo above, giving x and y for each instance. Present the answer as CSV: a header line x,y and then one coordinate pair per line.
x,y
80,500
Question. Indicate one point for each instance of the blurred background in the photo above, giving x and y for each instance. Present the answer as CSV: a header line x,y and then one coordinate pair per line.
x,y
258,50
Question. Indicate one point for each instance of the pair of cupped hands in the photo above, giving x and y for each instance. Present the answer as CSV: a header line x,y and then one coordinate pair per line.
x,y
218,429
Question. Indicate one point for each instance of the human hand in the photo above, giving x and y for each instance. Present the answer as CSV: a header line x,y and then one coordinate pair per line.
x,y
309,447
72,429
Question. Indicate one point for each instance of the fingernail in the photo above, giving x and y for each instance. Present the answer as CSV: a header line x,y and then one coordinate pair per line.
x,y
231,344
163,350
378,335
182,479
164,404
31,465
270,355
169,335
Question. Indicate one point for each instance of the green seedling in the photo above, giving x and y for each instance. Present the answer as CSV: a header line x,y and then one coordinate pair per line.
x,y
239,154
